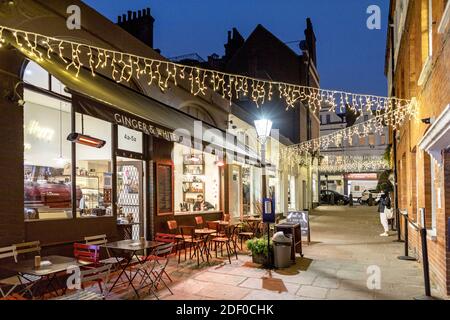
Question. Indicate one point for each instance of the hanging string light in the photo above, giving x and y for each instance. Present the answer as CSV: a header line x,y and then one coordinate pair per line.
x,y
124,66
393,118
350,164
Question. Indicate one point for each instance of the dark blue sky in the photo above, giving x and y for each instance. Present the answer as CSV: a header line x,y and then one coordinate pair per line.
x,y
350,56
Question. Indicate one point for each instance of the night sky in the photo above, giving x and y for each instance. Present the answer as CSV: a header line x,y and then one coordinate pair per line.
x,y
350,56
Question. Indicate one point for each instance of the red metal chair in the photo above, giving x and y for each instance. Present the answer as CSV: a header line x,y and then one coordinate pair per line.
x,y
87,254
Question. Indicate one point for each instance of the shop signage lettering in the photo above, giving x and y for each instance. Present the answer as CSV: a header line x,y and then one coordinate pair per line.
x,y
147,128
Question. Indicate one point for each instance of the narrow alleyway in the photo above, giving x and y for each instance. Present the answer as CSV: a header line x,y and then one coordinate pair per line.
x,y
346,243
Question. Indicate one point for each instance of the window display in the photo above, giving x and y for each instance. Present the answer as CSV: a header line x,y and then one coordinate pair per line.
x,y
47,185
94,169
196,180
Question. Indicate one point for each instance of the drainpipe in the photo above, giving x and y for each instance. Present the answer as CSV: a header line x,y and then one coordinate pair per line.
x,y
394,133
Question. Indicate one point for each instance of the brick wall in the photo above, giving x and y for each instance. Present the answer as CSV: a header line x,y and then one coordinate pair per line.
x,y
433,96
11,164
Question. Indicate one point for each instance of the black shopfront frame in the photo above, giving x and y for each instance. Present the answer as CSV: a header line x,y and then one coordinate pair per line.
x,y
86,106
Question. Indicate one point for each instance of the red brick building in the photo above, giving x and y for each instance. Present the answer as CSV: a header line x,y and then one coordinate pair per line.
x,y
418,66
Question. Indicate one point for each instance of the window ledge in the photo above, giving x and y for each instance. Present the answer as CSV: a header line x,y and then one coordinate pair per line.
x,y
445,20
432,235
424,75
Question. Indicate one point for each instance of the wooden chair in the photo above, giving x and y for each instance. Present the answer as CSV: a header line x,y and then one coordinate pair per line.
x,y
199,222
172,225
226,240
87,254
246,233
213,225
99,275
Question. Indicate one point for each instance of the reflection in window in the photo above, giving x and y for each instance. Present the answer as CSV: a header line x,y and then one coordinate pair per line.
x,y
47,153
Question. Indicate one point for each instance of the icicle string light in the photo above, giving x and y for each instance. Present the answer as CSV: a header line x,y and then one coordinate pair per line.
x,y
295,154
125,66
348,164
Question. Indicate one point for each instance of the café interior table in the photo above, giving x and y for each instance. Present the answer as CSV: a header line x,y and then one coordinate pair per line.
x,y
46,273
132,247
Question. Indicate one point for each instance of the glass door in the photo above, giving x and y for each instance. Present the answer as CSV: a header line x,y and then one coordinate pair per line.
x,y
130,196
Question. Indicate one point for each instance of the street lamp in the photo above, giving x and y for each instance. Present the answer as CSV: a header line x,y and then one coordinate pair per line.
x,y
263,128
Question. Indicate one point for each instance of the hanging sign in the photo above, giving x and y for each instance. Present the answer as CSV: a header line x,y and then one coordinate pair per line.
x,y
268,211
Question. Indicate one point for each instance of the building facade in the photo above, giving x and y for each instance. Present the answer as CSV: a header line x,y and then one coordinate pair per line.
x,y
418,66
342,168
161,147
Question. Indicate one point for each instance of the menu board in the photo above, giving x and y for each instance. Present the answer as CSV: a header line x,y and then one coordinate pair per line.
x,y
302,218
164,187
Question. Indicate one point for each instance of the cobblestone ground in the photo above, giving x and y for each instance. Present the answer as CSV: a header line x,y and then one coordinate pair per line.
x,y
346,244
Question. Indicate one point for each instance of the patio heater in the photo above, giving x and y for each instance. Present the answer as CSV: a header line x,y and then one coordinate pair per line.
x,y
263,128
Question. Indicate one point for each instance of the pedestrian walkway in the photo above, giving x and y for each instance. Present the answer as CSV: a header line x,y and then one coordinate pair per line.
x,y
345,252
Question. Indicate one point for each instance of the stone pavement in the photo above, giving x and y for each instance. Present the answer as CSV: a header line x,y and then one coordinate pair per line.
x,y
345,252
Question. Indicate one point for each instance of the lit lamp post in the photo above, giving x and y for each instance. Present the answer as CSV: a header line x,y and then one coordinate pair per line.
x,y
263,128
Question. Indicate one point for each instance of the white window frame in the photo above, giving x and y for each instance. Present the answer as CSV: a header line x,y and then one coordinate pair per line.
x,y
426,70
445,19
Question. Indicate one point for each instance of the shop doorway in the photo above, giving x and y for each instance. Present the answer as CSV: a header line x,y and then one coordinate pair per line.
x,y
130,194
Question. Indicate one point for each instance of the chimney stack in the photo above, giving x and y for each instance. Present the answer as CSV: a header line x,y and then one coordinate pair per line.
x,y
139,24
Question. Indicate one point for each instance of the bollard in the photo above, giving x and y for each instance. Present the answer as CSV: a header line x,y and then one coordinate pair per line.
x,y
350,203
406,257
425,262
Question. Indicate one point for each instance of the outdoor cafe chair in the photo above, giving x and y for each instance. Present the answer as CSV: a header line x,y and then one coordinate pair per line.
x,y
99,275
8,285
157,268
199,221
227,240
87,254
188,240
100,240
27,249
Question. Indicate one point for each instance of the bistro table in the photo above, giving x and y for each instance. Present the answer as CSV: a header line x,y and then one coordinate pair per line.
x,y
132,247
204,234
253,223
47,272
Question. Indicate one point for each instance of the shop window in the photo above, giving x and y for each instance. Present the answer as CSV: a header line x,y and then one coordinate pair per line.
x,y
362,141
47,154
35,75
292,193
372,140
93,169
196,180
198,113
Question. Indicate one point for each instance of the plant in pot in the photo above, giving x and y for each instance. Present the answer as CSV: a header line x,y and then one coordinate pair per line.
x,y
258,248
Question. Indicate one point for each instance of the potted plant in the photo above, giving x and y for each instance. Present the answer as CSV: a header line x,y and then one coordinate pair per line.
x,y
258,248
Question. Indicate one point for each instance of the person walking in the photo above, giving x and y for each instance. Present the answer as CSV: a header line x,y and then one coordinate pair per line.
x,y
384,208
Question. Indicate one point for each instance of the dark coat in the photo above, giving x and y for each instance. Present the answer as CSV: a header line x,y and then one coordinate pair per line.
x,y
385,201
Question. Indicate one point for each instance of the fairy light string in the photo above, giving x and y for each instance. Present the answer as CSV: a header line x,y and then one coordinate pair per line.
x,y
124,66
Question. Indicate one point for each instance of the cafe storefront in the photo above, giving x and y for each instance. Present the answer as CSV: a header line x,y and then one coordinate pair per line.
x,y
151,167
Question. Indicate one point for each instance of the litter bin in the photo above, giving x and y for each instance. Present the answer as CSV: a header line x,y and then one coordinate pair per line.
x,y
282,246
